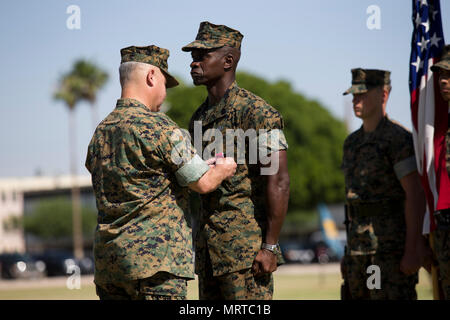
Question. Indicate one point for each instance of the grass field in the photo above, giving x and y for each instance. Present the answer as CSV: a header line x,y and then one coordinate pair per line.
x,y
324,286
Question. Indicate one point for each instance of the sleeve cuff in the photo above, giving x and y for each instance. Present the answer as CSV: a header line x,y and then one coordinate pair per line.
x,y
191,171
273,140
405,167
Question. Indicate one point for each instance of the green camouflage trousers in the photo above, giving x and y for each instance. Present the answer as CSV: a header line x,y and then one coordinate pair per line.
x,y
394,284
239,285
161,286
442,249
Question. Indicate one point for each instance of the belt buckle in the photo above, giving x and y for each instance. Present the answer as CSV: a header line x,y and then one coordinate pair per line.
x,y
443,219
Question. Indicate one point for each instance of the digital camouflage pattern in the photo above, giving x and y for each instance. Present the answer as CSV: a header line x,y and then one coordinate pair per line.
x,y
239,285
233,218
153,55
394,284
143,217
212,36
161,286
365,79
373,163
444,63
442,250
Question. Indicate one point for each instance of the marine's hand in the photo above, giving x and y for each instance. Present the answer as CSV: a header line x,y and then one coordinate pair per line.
x,y
265,262
410,263
211,162
227,166
425,255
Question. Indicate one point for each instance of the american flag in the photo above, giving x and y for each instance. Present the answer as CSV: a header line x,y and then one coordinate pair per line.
x,y
429,111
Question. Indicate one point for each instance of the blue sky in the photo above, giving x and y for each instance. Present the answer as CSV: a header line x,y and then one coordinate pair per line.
x,y
312,44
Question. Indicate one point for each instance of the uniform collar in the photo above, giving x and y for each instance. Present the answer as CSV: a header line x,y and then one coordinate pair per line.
x,y
129,102
212,113
369,136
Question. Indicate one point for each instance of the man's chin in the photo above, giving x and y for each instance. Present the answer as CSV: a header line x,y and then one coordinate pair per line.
x,y
358,114
446,96
198,82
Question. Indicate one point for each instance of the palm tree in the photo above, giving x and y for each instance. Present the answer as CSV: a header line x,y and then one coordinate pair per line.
x,y
69,91
94,78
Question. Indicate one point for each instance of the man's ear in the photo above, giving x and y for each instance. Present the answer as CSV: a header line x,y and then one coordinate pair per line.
x,y
151,77
386,93
229,61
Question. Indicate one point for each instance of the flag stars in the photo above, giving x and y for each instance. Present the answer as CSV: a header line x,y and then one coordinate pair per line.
x,y
423,44
418,64
426,25
434,14
435,40
418,20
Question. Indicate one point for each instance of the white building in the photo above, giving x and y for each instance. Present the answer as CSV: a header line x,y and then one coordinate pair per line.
x,y
13,192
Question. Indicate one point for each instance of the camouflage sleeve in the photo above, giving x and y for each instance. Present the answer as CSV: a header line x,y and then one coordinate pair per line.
x,y
272,140
88,162
269,125
177,151
402,155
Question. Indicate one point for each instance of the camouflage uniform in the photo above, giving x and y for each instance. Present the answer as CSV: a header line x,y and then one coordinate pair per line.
x,y
233,218
373,163
441,234
140,165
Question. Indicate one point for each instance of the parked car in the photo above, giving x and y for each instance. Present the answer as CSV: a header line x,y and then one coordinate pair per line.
x,y
296,251
61,263
323,253
16,265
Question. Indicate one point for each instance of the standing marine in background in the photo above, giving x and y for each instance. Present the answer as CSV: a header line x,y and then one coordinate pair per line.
x,y
441,234
385,203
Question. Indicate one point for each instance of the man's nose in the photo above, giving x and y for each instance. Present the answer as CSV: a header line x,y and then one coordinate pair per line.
x,y
194,64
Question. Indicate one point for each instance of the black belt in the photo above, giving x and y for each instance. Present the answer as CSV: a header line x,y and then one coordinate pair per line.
x,y
372,209
443,218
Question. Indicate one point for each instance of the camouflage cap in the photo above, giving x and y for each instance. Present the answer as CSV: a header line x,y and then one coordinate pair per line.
x,y
365,79
444,63
153,55
212,36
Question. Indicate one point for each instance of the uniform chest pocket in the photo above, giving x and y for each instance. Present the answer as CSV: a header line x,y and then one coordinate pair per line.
x,y
373,162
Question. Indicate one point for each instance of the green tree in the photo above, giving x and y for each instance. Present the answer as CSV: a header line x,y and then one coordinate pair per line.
x,y
51,219
70,92
314,136
92,78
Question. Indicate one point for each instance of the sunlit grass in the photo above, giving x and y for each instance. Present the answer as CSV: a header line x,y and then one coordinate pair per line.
x,y
325,286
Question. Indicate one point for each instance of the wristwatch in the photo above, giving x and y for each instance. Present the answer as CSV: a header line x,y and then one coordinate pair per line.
x,y
271,247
